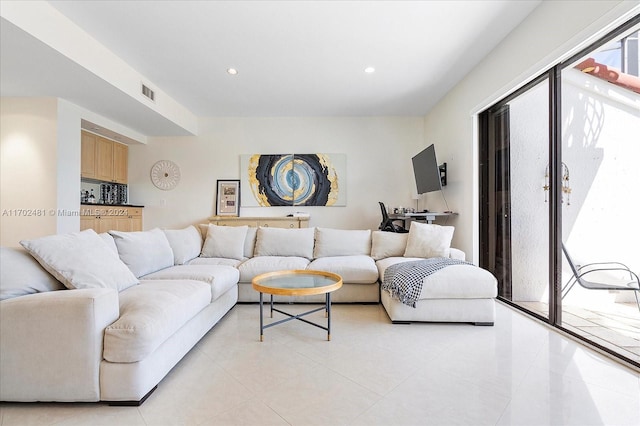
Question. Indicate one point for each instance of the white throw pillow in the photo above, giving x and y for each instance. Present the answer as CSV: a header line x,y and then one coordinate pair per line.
x,y
109,240
285,242
341,242
144,252
225,241
81,260
21,274
388,244
186,243
428,240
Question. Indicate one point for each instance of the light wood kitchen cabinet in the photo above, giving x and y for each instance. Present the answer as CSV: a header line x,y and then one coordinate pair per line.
x,y
103,159
111,218
120,162
88,155
273,222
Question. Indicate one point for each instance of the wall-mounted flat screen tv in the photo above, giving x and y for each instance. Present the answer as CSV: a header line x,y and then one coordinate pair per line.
x,y
427,172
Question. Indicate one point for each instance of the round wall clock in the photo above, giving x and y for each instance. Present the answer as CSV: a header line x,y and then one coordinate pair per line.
x,y
165,175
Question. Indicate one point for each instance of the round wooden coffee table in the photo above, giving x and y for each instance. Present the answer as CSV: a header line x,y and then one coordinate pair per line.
x,y
297,283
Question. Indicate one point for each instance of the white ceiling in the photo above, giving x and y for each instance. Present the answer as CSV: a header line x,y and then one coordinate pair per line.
x,y
304,58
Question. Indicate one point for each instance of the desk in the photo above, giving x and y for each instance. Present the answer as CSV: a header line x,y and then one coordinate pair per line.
x,y
427,217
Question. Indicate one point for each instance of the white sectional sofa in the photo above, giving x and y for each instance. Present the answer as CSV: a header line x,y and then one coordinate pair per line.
x,y
118,330
88,317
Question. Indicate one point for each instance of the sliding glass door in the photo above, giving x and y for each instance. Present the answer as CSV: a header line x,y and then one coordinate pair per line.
x,y
600,176
559,168
515,223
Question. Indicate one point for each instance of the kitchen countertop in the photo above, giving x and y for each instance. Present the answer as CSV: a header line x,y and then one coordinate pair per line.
x,y
110,205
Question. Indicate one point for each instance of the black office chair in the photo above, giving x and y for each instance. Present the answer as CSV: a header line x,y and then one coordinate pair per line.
x,y
387,223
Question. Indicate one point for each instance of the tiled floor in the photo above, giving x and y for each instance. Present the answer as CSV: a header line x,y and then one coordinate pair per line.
x,y
613,325
373,373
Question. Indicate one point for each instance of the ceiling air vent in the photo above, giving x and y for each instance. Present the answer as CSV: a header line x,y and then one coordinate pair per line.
x,y
148,93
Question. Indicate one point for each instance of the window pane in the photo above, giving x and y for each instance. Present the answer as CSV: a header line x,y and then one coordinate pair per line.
x,y
601,151
516,228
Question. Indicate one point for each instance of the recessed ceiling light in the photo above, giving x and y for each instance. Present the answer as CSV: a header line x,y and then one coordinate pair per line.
x,y
369,70
232,71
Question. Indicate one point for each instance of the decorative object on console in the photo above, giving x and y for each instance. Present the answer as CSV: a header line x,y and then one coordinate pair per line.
x,y
228,198
294,180
566,189
165,175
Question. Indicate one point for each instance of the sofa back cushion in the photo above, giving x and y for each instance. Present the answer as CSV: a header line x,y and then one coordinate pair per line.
x,y
428,240
388,244
341,242
81,260
225,241
107,238
285,242
250,241
144,252
186,243
21,274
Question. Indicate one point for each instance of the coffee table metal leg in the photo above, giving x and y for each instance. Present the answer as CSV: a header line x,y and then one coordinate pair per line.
x,y
328,301
261,321
272,306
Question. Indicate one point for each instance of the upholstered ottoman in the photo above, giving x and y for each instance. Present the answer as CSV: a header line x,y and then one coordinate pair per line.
x,y
456,293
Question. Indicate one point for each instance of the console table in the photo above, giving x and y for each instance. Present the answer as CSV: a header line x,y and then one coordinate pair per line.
x,y
273,222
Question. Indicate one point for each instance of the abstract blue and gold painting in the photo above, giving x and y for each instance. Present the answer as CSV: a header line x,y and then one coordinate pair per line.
x,y
293,180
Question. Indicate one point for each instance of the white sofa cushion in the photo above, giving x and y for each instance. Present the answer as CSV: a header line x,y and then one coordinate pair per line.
x,y
215,261
109,240
21,274
150,313
428,240
388,244
452,282
455,253
250,241
342,242
81,260
285,242
261,264
359,269
220,278
144,251
225,241
186,243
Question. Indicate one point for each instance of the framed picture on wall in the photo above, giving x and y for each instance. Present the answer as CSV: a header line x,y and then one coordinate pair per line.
x,y
228,198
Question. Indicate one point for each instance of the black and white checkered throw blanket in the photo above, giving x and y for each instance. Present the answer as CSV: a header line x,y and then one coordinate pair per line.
x,y
404,280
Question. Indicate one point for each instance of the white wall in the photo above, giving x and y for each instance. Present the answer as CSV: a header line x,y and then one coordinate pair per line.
x,y
28,184
378,149
68,159
551,32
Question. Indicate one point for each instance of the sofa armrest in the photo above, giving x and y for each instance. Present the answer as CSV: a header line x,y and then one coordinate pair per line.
x,y
457,254
51,344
